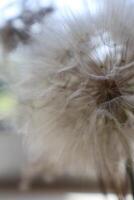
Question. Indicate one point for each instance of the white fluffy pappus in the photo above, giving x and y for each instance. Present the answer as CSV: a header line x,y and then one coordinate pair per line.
x,y
75,85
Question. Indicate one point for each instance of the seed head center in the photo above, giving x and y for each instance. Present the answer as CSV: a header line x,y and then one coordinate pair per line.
x,y
107,91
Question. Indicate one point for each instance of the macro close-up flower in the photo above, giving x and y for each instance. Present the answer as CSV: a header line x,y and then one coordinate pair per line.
x,y
74,83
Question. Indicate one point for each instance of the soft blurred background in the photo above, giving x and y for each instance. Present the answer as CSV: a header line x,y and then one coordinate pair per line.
x,y
17,19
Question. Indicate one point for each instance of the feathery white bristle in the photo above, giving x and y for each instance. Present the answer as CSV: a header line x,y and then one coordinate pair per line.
x,y
75,84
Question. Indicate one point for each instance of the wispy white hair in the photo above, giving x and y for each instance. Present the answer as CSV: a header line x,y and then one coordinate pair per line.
x,y
75,86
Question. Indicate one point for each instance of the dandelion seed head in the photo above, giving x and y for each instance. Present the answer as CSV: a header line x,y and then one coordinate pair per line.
x,y
75,85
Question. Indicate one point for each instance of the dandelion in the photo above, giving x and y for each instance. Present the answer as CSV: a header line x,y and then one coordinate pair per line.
x,y
75,85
